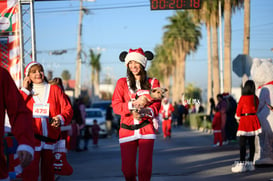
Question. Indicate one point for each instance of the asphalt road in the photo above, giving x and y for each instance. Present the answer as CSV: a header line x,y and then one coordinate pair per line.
x,y
187,156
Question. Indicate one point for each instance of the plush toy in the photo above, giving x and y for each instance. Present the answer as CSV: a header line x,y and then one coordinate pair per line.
x,y
262,74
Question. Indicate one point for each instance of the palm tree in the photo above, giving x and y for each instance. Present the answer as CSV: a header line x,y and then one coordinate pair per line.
x,y
181,38
66,77
95,72
229,7
203,16
246,33
227,46
246,26
215,55
162,66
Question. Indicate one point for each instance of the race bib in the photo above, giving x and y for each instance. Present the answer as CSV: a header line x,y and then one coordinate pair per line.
x,y
40,110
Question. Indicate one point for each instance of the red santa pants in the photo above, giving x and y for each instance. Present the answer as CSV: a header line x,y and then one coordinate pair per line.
x,y
31,172
95,138
217,138
166,128
145,159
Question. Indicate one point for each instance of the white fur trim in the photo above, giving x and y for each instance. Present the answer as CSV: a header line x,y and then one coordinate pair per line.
x,y
252,133
61,119
27,92
66,128
26,148
29,66
136,137
136,57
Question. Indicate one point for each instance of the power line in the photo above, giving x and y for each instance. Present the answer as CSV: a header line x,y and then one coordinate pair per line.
x,y
76,9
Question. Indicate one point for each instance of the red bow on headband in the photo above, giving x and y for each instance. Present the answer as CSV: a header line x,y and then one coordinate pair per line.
x,y
139,50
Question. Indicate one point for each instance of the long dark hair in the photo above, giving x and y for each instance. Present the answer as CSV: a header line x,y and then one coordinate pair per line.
x,y
249,89
144,84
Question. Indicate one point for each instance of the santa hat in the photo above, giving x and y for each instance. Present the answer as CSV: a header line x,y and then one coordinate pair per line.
x,y
225,95
137,55
29,66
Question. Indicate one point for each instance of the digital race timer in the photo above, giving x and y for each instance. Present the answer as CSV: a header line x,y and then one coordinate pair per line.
x,y
175,4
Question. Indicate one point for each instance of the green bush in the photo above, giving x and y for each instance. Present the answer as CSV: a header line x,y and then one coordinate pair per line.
x,y
196,121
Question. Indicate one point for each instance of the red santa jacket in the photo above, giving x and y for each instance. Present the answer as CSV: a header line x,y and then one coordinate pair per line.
x,y
120,102
166,111
12,103
249,124
59,106
216,122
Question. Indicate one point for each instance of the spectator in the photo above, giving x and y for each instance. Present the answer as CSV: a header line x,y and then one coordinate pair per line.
x,y
212,107
222,107
109,120
77,126
95,133
179,112
86,136
20,119
231,124
83,128
175,115
249,126
216,126
185,109
201,109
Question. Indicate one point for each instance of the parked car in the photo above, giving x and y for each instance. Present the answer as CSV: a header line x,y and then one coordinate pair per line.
x,y
103,105
96,113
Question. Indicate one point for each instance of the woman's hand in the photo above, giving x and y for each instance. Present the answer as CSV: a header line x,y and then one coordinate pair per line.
x,y
136,115
141,102
26,83
56,122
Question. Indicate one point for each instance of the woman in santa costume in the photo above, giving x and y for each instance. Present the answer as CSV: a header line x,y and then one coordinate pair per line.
x,y
166,111
50,109
136,127
249,126
19,116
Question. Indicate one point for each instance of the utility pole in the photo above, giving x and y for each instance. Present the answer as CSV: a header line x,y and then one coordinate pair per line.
x,y
78,61
221,54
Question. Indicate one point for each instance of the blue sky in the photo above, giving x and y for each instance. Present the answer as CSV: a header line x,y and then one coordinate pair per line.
x,y
113,29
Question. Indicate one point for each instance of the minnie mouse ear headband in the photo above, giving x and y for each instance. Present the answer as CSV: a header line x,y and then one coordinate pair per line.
x,y
137,55
26,71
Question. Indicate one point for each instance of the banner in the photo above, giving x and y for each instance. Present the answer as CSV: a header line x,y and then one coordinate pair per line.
x,y
9,39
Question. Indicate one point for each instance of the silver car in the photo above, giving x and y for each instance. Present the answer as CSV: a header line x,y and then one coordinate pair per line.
x,y
96,113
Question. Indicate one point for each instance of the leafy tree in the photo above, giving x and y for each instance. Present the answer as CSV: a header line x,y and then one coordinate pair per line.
x,y
66,75
95,71
181,38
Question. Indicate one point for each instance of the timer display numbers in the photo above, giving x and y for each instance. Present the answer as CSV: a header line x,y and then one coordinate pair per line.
x,y
175,4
